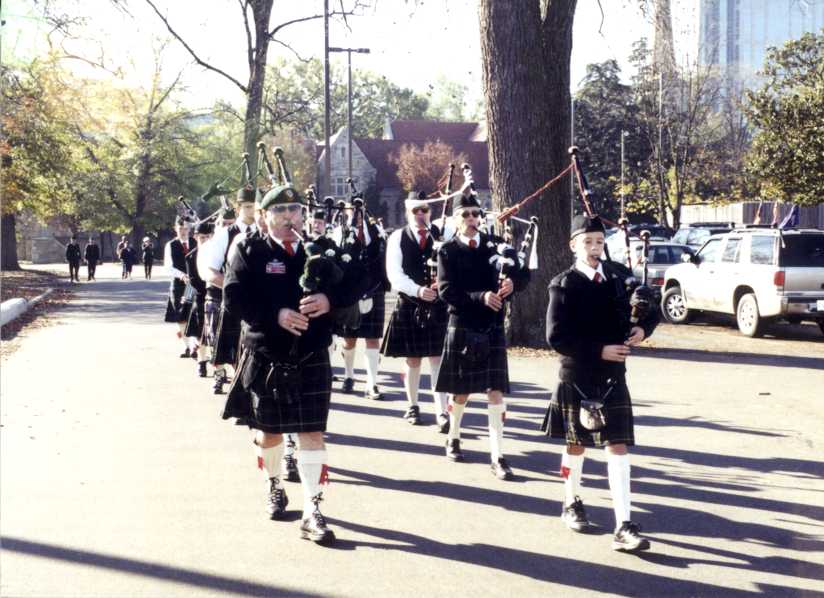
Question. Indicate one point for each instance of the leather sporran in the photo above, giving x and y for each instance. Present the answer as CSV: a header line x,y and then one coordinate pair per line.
x,y
475,347
592,413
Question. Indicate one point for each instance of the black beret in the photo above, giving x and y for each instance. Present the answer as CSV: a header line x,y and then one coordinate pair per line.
x,y
180,221
246,194
467,201
319,214
204,228
228,214
586,224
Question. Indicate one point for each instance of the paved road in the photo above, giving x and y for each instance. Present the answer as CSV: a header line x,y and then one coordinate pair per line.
x,y
118,478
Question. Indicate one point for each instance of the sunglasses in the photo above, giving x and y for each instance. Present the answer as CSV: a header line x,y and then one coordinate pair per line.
x,y
424,209
283,208
467,213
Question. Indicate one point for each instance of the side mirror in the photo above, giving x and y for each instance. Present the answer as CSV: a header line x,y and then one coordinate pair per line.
x,y
690,258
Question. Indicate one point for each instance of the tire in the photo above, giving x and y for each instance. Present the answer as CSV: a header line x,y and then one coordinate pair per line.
x,y
750,323
674,307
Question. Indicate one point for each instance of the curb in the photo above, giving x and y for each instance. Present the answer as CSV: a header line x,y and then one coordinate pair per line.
x,y
12,309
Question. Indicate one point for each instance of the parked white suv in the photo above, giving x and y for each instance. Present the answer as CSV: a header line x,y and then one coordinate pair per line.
x,y
756,274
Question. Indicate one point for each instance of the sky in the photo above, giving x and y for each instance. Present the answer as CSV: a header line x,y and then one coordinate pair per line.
x,y
411,43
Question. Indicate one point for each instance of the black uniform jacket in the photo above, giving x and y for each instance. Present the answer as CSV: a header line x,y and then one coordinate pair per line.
x,y
261,278
583,316
372,258
92,253
72,252
191,269
465,275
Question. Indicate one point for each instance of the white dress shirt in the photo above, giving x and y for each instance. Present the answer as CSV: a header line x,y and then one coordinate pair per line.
x,y
169,264
219,245
589,271
394,263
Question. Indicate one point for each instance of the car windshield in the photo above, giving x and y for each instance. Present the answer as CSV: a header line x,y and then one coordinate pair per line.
x,y
709,252
802,251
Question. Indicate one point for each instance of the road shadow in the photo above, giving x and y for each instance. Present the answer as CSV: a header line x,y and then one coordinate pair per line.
x,y
697,355
147,569
139,300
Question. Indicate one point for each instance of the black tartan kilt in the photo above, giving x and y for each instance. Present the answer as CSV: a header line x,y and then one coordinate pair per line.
x,y
461,375
249,401
211,318
227,340
405,337
194,325
176,310
562,421
371,324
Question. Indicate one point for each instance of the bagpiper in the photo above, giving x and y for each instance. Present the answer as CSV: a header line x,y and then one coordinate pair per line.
x,y
590,322
418,323
474,354
284,378
194,326
174,261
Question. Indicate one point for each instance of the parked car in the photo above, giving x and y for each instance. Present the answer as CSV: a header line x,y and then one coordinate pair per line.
x,y
696,233
655,230
617,246
662,255
758,275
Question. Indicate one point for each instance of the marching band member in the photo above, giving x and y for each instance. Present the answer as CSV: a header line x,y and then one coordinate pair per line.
x,y
174,260
194,325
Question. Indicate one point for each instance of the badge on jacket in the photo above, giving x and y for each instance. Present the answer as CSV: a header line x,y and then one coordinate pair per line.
x,y
275,267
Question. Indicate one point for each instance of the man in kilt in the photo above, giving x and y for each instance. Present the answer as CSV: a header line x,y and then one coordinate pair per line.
x,y
174,260
284,379
372,255
588,323
194,325
474,354
227,338
418,323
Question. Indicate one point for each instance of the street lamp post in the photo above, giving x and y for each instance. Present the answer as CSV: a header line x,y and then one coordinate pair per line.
x,y
349,93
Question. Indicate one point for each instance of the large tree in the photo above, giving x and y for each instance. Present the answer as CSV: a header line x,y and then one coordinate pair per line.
x,y
421,168
526,47
788,113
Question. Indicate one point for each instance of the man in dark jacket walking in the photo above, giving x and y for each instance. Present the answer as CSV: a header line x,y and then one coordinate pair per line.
x,y
73,257
92,255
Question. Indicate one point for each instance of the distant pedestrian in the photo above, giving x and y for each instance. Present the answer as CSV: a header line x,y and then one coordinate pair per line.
x,y
147,256
92,255
73,257
120,247
128,256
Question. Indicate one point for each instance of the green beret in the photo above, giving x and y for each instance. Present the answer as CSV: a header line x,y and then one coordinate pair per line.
x,y
246,194
281,194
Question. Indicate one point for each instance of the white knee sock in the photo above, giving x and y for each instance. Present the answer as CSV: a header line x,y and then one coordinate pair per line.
x,y
440,398
372,358
268,460
349,362
313,474
202,353
618,471
181,326
496,414
456,411
572,468
411,382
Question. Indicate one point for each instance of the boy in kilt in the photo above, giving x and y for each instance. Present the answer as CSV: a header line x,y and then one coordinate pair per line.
x,y
174,260
194,325
418,323
588,323
227,338
372,256
284,379
474,354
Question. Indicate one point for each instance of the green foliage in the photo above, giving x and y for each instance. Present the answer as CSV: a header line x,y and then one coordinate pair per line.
x,y
788,112
294,99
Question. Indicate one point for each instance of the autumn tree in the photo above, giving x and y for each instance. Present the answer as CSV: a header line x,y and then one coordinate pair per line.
x,y
422,168
526,48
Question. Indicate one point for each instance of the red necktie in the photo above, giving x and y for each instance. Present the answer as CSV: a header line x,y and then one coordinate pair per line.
x,y
597,277
422,234
473,243
185,247
289,249
361,236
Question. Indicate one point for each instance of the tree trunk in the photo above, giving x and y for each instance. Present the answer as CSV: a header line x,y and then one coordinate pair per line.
x,y
9,244
526,47
262,10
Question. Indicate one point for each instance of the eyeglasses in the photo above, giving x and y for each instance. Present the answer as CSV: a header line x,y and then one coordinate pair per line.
x,y
287,207
467,213
423,209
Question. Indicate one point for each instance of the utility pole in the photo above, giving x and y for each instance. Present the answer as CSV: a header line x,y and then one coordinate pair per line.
x,y
349,92
572,175
327,158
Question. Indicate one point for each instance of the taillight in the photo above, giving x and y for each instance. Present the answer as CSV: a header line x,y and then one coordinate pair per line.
x,y
778,279
657,282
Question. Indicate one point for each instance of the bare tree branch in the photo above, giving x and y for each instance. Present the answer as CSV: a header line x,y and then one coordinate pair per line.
x,y
198,60
292,50
244,6
344,14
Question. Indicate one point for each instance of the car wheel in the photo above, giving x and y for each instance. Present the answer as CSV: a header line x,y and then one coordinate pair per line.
x,y
750,322
674,307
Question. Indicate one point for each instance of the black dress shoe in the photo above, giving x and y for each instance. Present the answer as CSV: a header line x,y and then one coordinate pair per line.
x,y
443,423
501,469
453,450
185,354
277,501
374,394
413,415
348,385
201,369
217,387
314,527
290,469
194,354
